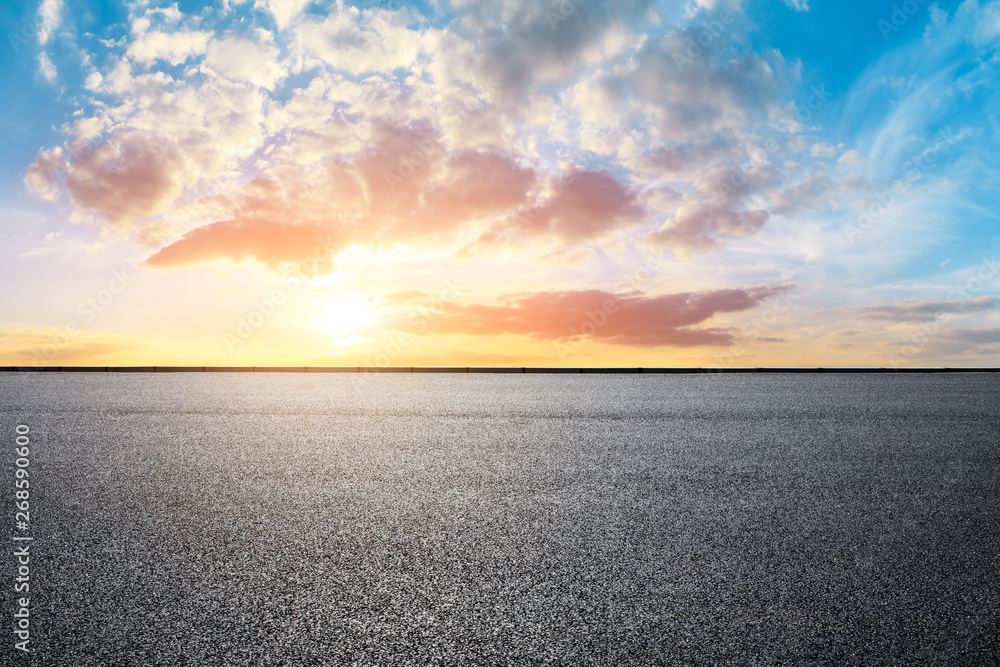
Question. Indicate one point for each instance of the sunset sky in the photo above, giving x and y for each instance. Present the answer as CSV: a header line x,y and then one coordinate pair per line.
x,y
500,182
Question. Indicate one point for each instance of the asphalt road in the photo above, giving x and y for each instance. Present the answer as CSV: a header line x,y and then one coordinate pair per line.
x,y
432,519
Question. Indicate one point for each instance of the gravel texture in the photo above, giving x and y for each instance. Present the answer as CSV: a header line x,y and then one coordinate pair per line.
x,y
193,519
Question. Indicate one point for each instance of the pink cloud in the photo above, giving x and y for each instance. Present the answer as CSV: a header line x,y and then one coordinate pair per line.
x,y
479,184
624,319
269,242
128,181
586,206
418,191
406,189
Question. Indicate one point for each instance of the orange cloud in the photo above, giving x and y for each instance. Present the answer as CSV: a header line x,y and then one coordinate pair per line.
x,y
269,242
406,189
622,319
67,346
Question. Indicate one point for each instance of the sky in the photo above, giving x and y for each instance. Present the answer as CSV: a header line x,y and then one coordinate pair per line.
x,y
704,183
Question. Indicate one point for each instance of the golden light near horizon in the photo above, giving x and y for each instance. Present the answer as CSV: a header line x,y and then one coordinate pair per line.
x,y
344,317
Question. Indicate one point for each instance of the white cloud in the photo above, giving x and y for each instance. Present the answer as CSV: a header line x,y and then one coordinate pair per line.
x,y
798,5
172,47
46,67
43,175
242,60
119,79
50,12
376,41
987,29
93,81
172,14
283,11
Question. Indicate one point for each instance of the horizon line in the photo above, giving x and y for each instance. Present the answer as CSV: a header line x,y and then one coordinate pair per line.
x,y
487,369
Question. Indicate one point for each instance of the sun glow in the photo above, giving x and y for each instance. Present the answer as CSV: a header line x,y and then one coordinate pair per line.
x,y
344,317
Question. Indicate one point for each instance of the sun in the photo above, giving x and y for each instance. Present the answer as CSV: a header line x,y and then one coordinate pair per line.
x,y
344,317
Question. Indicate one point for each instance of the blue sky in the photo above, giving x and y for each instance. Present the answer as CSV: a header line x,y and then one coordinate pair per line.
x,y
822,174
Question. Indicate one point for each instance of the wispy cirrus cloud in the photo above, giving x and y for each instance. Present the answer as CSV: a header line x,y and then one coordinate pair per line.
x,y
798,5
927,311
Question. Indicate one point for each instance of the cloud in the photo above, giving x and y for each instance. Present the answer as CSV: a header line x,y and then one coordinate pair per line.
x,y
987,24
244,60
283,11
155,234
709,104
271,243
708,89
524,43
717,209
358,42
127,180
975,336
621,319
474,185
698,227
798,5
46,67
483,129
133,161
93,81
585,206
404,189
171,47
52,346
926,311
42,176
171,14
50,12
403,297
